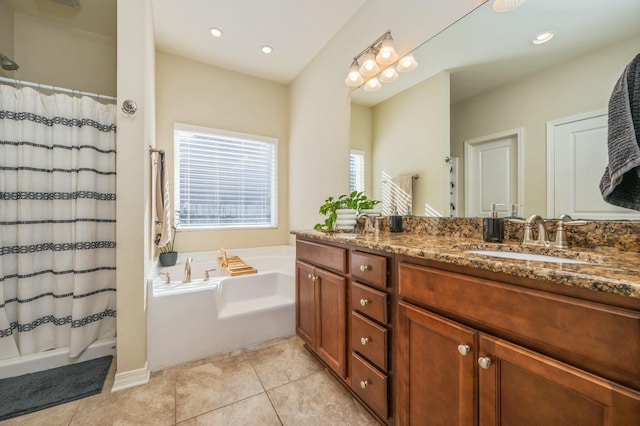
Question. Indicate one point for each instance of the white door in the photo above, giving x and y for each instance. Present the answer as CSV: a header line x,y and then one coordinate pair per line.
x,y
576,159
492,172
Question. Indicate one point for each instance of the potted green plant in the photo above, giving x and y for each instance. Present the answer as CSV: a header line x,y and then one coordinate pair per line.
x,y
168,256
341,212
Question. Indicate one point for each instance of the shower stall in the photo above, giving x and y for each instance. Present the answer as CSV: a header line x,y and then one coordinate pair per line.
x,y
57,227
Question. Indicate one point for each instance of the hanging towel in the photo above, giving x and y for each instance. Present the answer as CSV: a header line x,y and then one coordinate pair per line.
x,y
402,194
163,207
620,184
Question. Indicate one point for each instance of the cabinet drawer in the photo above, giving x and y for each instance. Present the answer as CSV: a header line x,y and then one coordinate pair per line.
x,y
334,258
370,385
369,268
595,337
369,339
370,302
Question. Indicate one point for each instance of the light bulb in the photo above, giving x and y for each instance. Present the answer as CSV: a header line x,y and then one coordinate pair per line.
x,y
354,78
407,63
373,85
387,54
388,75
369,65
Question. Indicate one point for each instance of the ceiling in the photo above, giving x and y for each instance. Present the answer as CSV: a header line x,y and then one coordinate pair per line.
x,y
296,29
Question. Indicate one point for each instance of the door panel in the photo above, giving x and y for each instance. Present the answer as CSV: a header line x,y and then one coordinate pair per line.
x,y
331,294
521,387
579,156
436,383
305,303
491,173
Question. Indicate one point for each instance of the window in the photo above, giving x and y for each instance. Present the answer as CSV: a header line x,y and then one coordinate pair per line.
x,y
356,171
224,179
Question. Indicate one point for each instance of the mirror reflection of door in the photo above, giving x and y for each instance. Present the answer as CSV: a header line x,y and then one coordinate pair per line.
x,y
492,172
576,158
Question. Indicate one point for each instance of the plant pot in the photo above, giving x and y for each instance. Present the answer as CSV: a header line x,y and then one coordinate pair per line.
x,y
168,259
346,219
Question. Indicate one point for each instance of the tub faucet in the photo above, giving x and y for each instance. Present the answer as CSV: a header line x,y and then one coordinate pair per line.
x,y
187,270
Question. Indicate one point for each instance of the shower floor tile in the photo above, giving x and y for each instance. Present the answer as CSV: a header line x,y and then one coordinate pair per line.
x,y
273,383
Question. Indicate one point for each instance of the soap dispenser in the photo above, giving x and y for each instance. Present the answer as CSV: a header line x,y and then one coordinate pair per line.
x,y
493,227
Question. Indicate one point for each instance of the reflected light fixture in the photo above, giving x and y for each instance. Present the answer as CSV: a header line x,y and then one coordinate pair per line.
x,y
266,49
216,32
407,63
377,67
543,37
372,85
507,5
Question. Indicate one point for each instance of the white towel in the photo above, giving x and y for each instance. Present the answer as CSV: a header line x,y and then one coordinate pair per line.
x,y
401,192
163,206
620,184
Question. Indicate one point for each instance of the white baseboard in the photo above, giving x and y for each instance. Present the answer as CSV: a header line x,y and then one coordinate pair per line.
x,y
132,378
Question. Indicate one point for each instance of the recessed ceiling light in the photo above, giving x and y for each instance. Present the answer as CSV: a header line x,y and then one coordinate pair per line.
x,y
266,49
216,32
543,37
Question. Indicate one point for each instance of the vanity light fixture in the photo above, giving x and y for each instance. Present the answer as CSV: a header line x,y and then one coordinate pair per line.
x,y
507,5
543,37
377,61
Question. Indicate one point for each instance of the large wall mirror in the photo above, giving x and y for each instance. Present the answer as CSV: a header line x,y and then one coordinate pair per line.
x,y
490,111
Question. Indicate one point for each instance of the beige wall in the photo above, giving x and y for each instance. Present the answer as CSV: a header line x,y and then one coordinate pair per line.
x,y
191,92
135,134
361,137
577,86
56,54
6,35
319,136
411,136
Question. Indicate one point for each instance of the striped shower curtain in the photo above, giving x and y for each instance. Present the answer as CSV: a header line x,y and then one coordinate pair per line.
x,y
57,222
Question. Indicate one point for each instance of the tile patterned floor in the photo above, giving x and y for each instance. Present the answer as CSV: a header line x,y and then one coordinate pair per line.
x,y
273,383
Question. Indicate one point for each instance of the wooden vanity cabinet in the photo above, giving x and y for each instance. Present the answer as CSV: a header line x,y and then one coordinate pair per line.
x,y
460,361
321,300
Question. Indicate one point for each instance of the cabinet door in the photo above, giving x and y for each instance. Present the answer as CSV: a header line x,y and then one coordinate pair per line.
x,y
305,303
522,387
437,369
331,317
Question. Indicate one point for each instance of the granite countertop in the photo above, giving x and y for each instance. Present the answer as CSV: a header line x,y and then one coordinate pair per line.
x,y
606,270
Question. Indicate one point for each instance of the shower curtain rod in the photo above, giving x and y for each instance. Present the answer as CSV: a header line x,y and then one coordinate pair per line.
x,y
55,88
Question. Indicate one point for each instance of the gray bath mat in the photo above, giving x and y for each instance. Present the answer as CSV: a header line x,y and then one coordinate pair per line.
x,y
32,392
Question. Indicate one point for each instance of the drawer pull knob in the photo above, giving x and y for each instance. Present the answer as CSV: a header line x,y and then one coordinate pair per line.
x,y
464,349
364,384
365,268
364,302
484,362
310,276
364,340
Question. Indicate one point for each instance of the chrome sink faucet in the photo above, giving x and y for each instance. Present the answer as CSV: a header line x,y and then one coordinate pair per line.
x,y
187,270
534,221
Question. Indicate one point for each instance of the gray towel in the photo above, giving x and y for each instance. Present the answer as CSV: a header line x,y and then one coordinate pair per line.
x,y
620,184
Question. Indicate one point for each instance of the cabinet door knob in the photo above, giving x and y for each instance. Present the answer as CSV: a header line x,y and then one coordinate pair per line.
x,y
364,340
310,276
364,384
365,268
464,349
364,302
484,362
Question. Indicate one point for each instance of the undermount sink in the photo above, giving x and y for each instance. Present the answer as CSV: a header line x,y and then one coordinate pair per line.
x,y
525,256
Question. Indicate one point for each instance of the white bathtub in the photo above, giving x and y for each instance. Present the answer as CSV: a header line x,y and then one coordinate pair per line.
x,y
54,358
189,321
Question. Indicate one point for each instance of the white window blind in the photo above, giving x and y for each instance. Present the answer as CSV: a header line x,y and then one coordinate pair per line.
x,y
356,171
224,179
